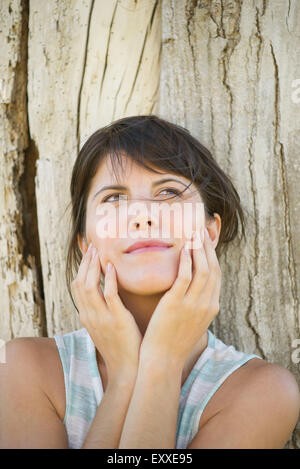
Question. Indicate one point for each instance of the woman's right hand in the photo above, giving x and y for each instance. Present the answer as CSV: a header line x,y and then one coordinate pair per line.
x,y
110,325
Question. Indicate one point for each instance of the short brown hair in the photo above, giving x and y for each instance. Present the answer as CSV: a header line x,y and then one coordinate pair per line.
x,y
170,147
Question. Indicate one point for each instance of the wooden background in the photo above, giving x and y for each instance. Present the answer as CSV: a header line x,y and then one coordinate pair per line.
x,y
226,70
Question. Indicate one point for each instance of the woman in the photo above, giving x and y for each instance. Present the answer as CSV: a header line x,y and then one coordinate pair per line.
x,y
145,371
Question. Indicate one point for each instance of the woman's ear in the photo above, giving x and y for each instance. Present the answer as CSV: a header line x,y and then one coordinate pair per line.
x,y
214,229
82,243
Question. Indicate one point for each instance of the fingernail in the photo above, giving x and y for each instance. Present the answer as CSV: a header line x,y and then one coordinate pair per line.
x,y
90,245
206,233
109,266
94,253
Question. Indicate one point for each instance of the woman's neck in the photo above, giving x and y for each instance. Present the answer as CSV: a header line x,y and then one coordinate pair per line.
x,y
141,307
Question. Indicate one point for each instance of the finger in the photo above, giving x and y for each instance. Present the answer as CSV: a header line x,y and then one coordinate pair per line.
x,y
84,265
80,280
184,275
200,264
215,298
90,293
110,291
93,273
213,264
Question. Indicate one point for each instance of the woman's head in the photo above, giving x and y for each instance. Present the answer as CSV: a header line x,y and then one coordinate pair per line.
x,y
140,153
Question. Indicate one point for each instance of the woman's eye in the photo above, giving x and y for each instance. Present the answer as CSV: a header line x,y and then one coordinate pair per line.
x,y
175,191
124,196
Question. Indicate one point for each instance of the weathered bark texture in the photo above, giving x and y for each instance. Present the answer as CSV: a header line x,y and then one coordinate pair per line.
x,y
227,74
22,307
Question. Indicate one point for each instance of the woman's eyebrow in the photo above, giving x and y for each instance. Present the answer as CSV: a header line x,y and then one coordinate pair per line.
x,y
124,188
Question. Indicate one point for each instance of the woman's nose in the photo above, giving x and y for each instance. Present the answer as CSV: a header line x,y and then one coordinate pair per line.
x,y
137,224
142,221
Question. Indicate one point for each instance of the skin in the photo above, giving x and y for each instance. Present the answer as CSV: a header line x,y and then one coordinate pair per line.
x,y
139,282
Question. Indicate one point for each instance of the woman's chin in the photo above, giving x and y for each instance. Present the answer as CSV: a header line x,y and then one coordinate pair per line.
x,y
145,286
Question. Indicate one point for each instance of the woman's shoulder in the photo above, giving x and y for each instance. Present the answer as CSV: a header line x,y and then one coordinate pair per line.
x,y
225,393
42,355
253,370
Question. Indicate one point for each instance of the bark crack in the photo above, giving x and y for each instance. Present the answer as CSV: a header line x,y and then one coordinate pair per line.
x,y
107,51
153,13
27,190
83,74
23,159
230,16
190,12
141,56
288,15
279,152
247,317
30,232
264,7
117,94
258,36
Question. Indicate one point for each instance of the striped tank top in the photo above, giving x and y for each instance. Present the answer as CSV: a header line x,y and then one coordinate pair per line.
x,y
84,389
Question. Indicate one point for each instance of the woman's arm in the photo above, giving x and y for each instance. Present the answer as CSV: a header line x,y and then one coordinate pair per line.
x,y
152,414
28,419
262,412
182,315
117,337
106,428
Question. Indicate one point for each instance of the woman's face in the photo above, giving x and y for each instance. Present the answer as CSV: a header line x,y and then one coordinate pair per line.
x,y
132,218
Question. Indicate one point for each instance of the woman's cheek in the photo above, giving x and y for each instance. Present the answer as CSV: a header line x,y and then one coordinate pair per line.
x,y
191,219
104,254
172,221
183,230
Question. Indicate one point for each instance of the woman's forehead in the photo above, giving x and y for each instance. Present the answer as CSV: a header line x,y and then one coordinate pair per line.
x,y
128,171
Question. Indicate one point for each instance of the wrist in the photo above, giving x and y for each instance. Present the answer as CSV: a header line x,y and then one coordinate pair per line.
x,y
159,361
124,378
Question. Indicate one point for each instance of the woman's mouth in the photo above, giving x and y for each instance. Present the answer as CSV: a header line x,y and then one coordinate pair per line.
x,y
149,249
148,246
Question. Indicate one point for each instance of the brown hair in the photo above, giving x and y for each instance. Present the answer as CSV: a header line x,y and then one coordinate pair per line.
x,y
170,147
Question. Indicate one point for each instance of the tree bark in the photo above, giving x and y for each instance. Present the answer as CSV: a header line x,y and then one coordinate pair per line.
x,y
22,305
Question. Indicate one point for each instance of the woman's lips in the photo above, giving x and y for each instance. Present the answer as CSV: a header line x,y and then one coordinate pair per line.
x,y
149,248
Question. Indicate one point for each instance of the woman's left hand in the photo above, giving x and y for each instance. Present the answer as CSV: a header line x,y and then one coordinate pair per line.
x,y
187,309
